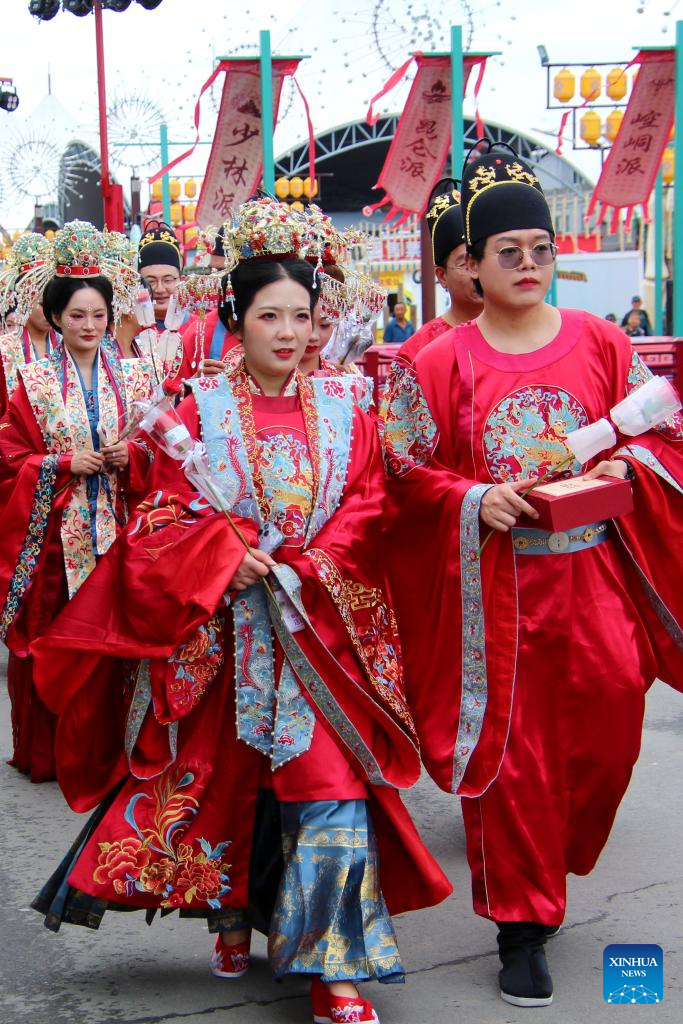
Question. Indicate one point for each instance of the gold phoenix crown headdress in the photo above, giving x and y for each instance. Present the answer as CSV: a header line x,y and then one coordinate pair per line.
x,y
28,268
119,266
79,250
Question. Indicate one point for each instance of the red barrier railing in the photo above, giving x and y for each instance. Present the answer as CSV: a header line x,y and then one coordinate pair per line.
x,y
664,356
376,362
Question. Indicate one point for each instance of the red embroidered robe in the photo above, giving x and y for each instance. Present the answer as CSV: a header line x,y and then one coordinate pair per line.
x,y
527,674
47,546
161,586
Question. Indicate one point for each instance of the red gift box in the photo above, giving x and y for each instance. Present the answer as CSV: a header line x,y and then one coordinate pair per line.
x,y
566,504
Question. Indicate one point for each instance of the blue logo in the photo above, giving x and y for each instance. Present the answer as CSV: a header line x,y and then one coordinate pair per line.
x,y
633,974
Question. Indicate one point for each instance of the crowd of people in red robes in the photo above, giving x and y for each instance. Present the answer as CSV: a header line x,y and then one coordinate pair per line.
x,y
223,641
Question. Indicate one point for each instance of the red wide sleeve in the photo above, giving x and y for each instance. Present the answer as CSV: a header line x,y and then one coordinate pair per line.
x,y
652,538
447,599
164,576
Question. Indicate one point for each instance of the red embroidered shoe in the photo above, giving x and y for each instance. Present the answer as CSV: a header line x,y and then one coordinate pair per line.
x,y
331,1009
230,961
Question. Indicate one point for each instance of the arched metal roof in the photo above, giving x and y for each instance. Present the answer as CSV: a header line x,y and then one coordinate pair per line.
x,y
335,149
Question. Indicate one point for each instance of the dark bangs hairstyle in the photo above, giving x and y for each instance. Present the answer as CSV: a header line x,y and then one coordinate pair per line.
x,y
59,291
249,277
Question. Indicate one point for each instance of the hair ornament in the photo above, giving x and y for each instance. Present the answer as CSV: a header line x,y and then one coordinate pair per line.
x,y
29,265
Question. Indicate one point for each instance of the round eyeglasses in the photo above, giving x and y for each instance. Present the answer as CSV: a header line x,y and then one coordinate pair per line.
x,y
511,256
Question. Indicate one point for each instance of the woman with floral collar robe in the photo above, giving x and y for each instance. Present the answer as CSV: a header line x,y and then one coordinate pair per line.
x,y
308,668
62,489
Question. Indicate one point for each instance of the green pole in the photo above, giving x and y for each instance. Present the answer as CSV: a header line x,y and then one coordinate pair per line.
x,y
659,254
457,129
678,190
165,183
267,112
552,292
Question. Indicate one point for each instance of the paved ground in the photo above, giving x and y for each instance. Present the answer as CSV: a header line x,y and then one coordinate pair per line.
x,y
133,974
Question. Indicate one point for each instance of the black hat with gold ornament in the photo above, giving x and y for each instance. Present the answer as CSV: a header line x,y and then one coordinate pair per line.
x,y
159,245
444,219
500,193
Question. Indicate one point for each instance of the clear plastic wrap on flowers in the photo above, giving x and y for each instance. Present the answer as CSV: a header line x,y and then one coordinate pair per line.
x,y
647,406
164,426
348,342
147,344
220,492
642,410
144,309
175,314
587,442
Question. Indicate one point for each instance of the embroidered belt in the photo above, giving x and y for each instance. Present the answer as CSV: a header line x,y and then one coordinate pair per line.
x,y
541,542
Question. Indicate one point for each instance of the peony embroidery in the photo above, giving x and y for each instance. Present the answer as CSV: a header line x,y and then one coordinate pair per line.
x,y
156,860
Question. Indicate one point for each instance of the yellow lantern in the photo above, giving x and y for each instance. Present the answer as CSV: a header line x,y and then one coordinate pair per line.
x,y
307,188
282,188
176,213
158,190
564,85
191,238
190,188
591,128
174,188
298,206
668,165
591,84
189,212
296,188
613,124
616,84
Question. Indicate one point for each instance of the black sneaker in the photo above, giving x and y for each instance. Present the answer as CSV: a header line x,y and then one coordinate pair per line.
x,y
524,978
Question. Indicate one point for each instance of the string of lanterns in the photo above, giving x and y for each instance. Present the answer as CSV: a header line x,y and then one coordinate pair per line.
x,y
183,213
296,191
590,91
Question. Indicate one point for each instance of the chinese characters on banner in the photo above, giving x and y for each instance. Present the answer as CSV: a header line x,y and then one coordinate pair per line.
x,y
628,177
420,146
234,169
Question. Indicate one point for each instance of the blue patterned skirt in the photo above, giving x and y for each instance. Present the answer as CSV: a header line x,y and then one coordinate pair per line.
x,y
330,917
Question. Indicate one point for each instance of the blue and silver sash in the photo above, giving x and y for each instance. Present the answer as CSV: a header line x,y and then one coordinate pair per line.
x,y
273,716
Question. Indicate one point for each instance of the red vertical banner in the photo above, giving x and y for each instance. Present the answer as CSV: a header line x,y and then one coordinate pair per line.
x,y
420,146
234,169
628,177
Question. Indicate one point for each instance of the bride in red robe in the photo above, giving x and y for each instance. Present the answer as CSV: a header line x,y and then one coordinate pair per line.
x,y
62,489
248,766
527,667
